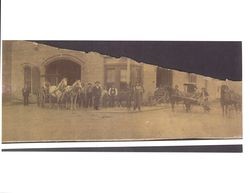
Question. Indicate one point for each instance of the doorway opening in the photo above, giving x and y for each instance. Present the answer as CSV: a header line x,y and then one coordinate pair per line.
x,y
59,69
164,77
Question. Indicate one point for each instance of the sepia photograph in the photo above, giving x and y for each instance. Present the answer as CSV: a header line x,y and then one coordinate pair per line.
x,y
124,96
75,91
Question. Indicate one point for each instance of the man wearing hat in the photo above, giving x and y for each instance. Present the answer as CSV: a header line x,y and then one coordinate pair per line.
x,y
204,99
26,92
112,93
138,92
97,92
89,95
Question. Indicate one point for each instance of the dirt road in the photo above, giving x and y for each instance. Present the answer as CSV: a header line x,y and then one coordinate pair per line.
x,y
32,123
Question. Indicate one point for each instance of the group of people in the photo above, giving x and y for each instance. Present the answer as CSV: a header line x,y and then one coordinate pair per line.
x,y
94,95
90,95
97,96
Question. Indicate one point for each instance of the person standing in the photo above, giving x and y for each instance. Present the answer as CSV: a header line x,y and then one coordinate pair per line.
x,y
89,95
105,97
138,92
26,93
97,92
129,96
112,93
82,96
204,99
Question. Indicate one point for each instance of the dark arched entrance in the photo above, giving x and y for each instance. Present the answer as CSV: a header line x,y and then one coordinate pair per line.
x,y
59,69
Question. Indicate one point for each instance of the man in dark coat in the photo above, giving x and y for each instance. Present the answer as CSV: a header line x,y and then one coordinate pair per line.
x,y
129,95
26,93
97,92
89,95
82,96
204,99
138,93
112,93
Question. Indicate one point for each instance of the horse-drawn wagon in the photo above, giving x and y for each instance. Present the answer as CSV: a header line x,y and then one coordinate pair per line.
x,y
189,97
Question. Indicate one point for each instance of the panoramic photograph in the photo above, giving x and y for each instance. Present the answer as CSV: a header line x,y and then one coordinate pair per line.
x,y
62,93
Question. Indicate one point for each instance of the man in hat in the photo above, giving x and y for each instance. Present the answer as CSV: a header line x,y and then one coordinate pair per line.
x,y
82,96
97,92
138,92
26,93
89,95
204,99
176,91
112,93
105,97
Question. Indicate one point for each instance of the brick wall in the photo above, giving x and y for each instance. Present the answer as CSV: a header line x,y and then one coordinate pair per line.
x,y
149,80
18,54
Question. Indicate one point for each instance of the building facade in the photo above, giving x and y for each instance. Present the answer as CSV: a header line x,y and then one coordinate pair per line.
x,y
31,63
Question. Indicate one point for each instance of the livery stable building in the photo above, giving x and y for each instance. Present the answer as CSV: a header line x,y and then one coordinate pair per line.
x,y
26,62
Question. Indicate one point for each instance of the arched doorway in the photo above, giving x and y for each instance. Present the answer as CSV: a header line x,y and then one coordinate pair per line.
x,y
59,69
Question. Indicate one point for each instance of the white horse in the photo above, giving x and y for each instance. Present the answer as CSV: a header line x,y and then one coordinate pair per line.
x,y
56,92
54,95
71,94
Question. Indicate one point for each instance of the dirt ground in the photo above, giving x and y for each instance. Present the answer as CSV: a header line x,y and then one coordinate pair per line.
x,y
32,123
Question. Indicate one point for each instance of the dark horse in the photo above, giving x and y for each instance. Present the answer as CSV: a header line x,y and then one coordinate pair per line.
x,y
229,99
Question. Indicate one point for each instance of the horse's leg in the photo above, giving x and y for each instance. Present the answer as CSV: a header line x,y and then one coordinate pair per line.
x,y
71,102
226,110
58,102
172,105
188,107
50,102
222,108
42,100
74,102
236,108
66,103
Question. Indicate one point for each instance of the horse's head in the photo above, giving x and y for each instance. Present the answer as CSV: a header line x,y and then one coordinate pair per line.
x,y
77,86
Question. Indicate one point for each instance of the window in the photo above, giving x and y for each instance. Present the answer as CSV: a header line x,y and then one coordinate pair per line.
x,y
35,80
110,75
118,76
27,76
123,79
136,75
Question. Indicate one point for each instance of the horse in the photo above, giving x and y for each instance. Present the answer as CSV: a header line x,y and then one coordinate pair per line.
x,y
174,97
229,100
54,96
71,94
55,93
